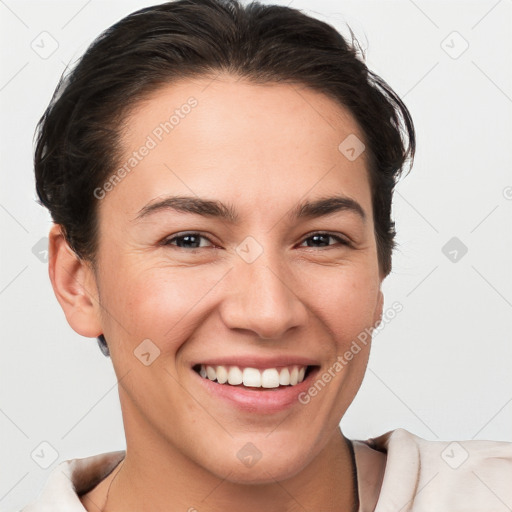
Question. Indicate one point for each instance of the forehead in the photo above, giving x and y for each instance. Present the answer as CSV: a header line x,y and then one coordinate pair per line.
x,y
227,135
237,107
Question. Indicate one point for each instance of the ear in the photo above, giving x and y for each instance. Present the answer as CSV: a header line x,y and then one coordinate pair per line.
x,y
74,285
378,309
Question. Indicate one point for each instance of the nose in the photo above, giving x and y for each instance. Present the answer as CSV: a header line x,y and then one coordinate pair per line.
x,y
263,297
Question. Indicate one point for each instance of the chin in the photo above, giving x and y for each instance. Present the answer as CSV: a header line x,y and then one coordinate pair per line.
x,y
256,468
263,473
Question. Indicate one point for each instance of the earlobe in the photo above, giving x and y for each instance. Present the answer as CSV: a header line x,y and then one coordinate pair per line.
x,y
74,285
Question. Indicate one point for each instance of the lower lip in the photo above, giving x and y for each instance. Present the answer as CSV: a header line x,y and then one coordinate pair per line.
x,y
260,400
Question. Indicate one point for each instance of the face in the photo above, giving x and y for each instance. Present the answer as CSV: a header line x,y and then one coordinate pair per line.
x,y
249,279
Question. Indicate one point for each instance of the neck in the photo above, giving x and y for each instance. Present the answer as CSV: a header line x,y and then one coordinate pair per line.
x,y
157,476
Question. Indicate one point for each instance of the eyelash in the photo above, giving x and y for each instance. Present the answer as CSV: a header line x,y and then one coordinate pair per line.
x,y
168,241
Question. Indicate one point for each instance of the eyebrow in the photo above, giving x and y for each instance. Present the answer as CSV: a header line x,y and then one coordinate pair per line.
x,y
216,209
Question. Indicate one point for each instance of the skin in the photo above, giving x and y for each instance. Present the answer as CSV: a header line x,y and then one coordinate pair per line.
x,y
261,149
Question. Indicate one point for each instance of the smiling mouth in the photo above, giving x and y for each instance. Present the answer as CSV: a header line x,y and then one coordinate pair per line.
x,y
254,378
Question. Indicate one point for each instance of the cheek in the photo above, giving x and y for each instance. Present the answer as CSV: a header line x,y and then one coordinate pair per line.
x,y
347,302
162,304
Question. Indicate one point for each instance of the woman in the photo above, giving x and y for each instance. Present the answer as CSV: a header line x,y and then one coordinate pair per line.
x,y
220,177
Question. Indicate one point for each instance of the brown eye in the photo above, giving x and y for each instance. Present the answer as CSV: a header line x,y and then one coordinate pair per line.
x,y
186,241
322,240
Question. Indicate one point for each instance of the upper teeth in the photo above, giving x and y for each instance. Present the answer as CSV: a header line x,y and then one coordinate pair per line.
x,y
268,378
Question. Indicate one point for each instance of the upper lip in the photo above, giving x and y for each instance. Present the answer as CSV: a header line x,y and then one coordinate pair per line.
x,y
259,362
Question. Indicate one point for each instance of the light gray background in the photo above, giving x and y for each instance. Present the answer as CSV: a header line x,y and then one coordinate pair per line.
x,y
441,368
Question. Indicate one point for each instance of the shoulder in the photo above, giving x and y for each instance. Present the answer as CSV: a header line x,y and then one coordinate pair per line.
x,y
420,475
70,479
